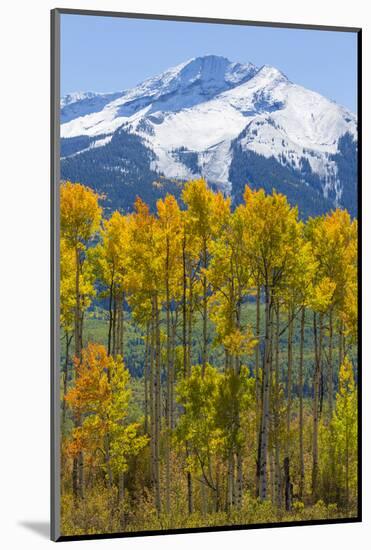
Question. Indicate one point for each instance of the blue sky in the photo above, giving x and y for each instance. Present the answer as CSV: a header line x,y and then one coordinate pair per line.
x,y
105,54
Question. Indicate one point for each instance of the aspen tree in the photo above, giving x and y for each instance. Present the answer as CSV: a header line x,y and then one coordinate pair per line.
x,y
169,227
270,231
80,216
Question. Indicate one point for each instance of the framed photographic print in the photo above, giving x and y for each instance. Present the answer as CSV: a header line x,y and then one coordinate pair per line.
x,y
205,274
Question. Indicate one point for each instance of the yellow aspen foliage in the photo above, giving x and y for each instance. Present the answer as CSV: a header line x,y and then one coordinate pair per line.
x,y
67,285
68,282
240,342
80,213
271,234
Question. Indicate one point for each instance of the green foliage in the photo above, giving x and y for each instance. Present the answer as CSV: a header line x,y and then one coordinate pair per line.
x,y
197,395
340,443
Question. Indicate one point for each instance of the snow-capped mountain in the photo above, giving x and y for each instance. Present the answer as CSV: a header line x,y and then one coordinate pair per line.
x,y
231,123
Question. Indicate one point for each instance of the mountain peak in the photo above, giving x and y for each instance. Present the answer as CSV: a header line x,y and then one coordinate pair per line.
x,y
74,97
211,67
271,73
190,83
209,58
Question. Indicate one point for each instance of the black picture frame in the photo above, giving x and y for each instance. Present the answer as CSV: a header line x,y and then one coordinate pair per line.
x,y
55,336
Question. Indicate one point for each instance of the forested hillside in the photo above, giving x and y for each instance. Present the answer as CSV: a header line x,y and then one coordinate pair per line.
x,y
209,364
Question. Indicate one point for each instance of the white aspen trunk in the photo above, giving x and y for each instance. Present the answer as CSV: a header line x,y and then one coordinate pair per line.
x,y
230,481
114,325
65,375
185,369
190,325
204,312
288,485
277,459
239,479
152,400
78,331
172,374
110,323
317,378
341,344
301,415
257,388
289,380
168,382
264,424
330,367
157,405
78,462
272,481
146,380
347,428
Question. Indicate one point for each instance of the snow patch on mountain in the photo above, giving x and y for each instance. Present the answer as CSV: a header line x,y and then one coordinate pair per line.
x,y
180,87
75,97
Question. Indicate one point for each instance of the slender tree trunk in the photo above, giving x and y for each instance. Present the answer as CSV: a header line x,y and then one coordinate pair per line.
x,y
347,428
118,324
289,379
147,368
187,360
230,481
75,477
110,323
78,461
330,366
272,480
187,334
152,400
257,387
172,372
239,460
239,455
121,485
65,375
330,387
341,344
301,417
257,352
277,459
217,486
81,483
190,324
78,344
317,379
264,423
121,495
157,404
204,313
288,484
189,485
184,308
235,462
114,325
168,381
203,498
